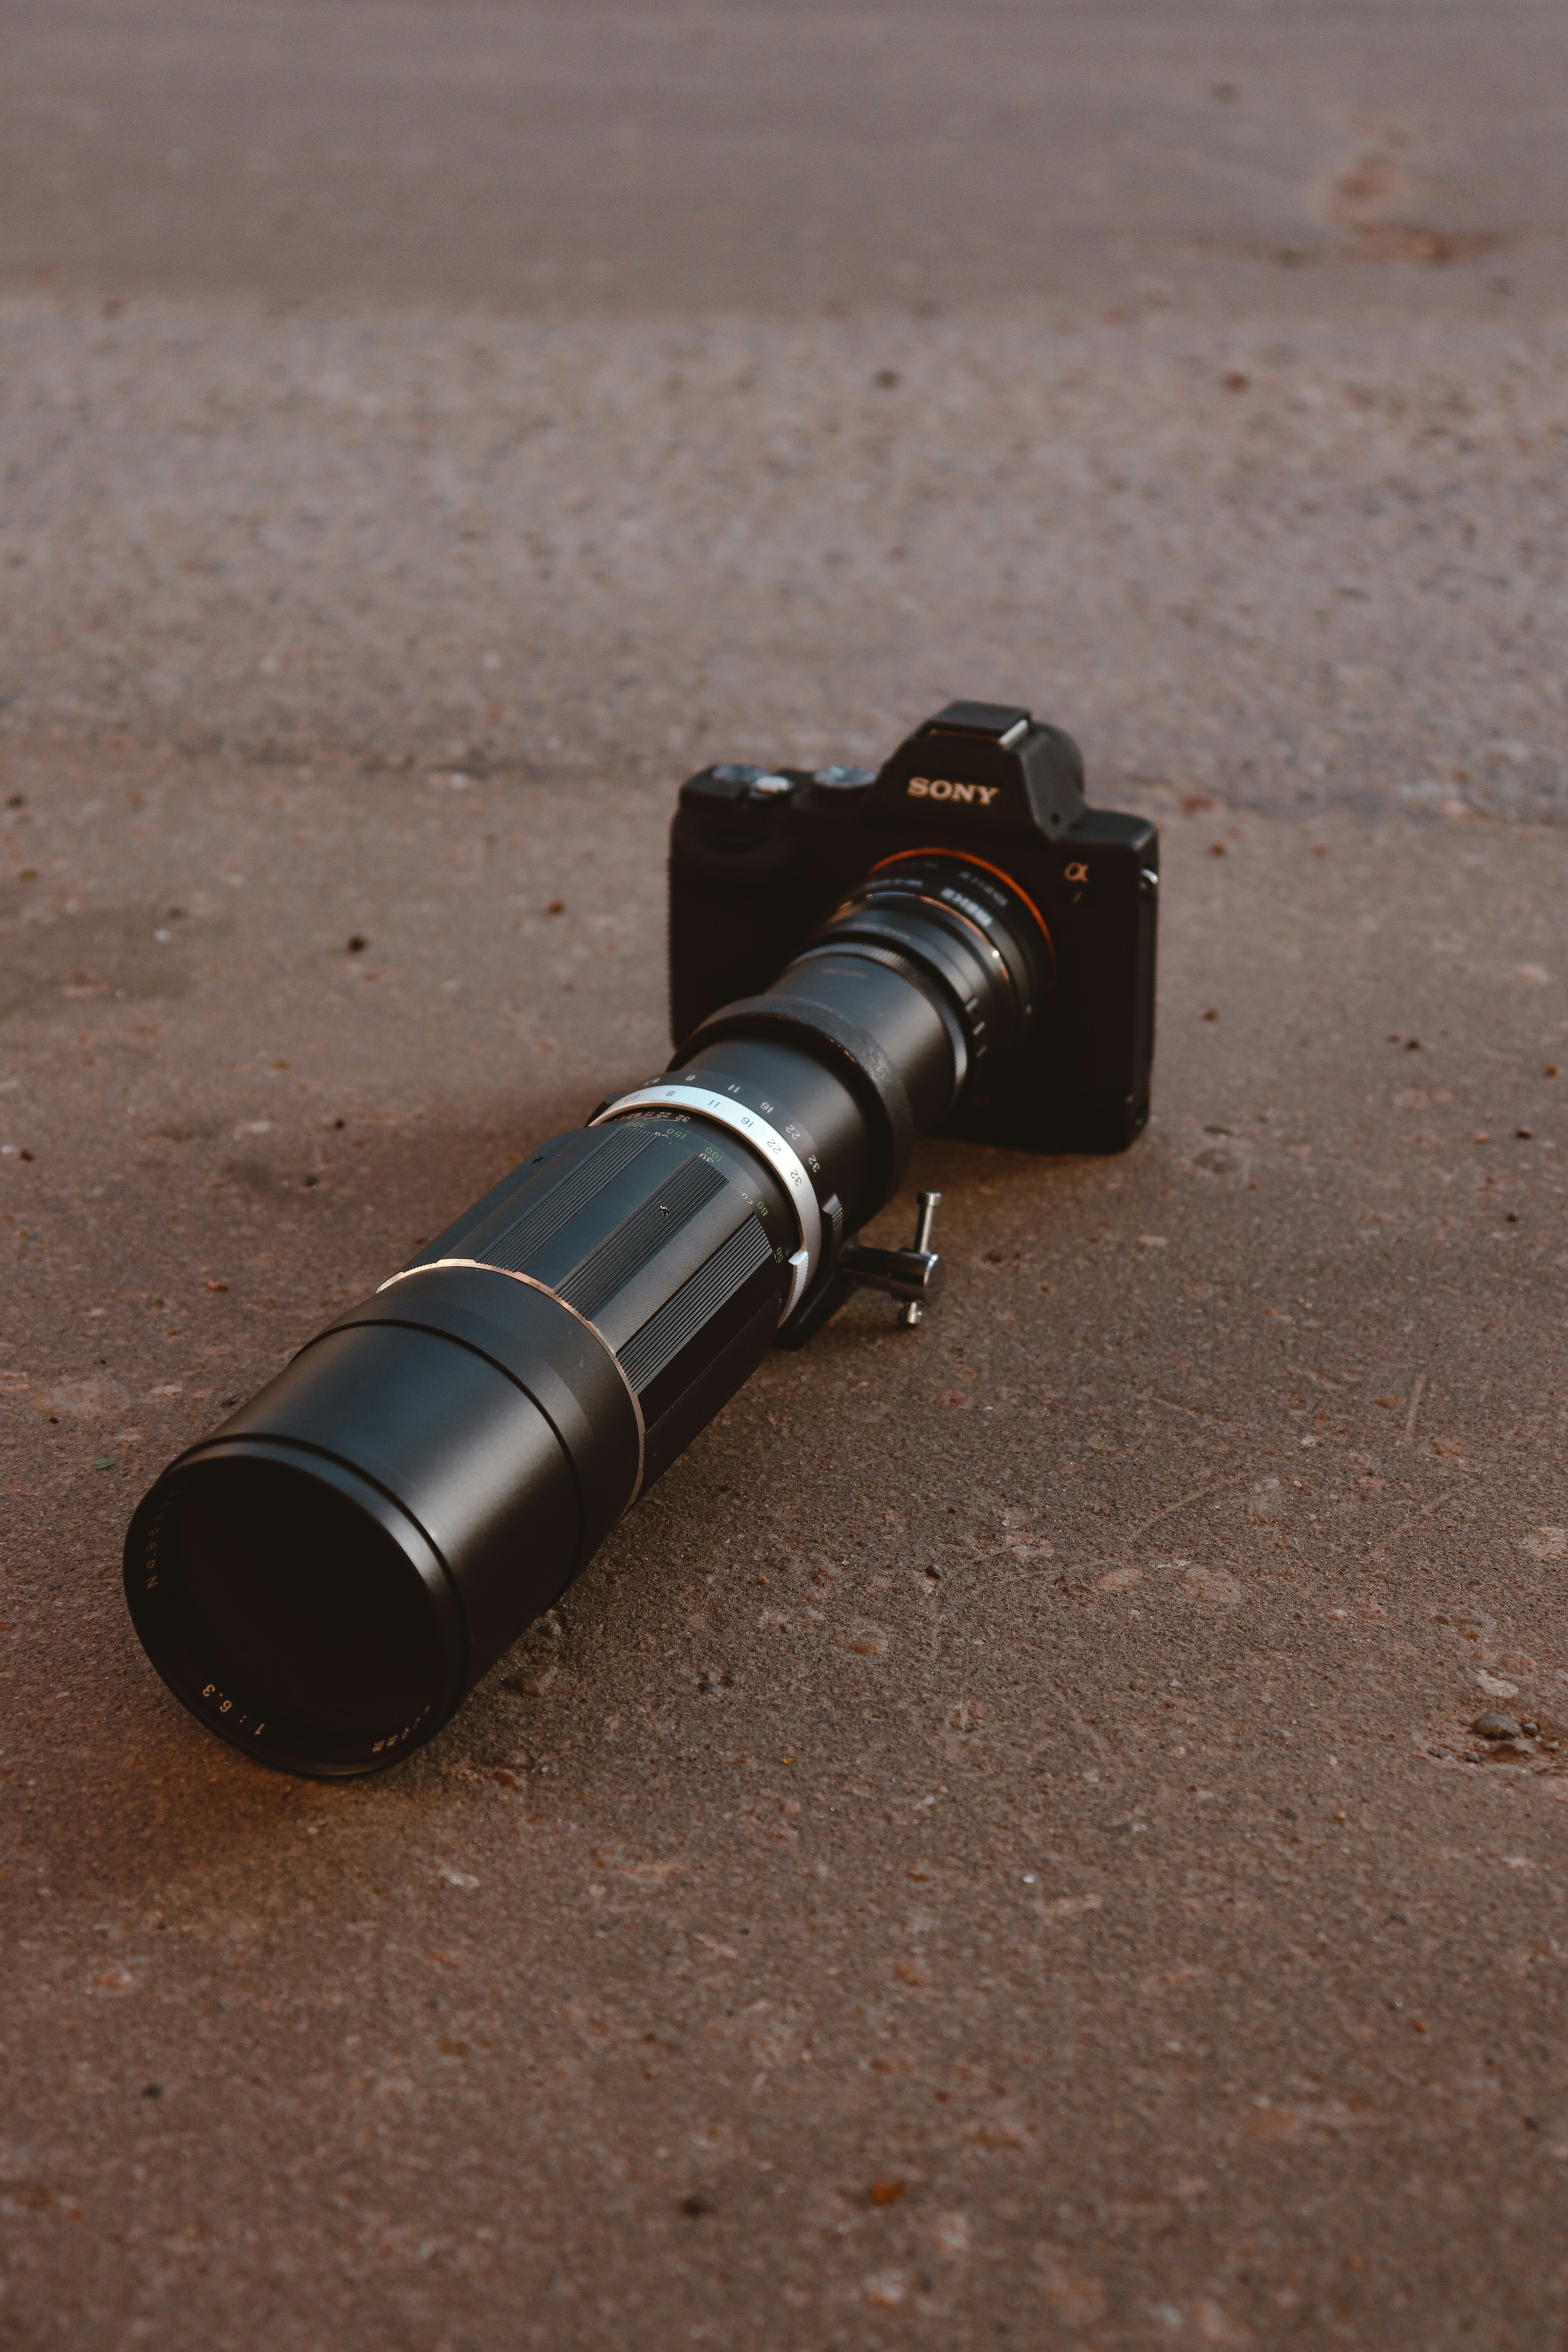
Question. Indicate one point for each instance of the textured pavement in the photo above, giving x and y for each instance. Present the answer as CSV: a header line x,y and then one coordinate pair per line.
x,y
993,1850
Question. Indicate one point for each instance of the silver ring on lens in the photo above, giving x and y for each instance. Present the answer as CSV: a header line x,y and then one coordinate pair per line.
x,y
752,1128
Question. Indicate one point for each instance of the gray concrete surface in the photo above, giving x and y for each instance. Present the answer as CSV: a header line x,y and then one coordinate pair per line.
x,y
992,1851
691,155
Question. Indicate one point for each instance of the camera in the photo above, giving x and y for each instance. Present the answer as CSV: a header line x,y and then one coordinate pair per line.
x,y
956,945
758,858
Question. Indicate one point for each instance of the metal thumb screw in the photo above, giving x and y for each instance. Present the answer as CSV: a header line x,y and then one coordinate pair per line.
x,y
928,1204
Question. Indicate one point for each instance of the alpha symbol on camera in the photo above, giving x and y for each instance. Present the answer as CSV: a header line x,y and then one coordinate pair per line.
x,y
1075,873
940,788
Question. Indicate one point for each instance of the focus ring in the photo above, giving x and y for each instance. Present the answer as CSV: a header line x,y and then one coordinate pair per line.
x,y
699,1102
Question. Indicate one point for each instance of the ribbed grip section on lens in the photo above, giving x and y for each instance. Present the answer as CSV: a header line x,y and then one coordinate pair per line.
x,y
645,1230
663,1335
516,1243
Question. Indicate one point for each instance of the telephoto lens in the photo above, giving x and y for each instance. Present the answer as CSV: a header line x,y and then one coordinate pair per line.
x,y
323,1577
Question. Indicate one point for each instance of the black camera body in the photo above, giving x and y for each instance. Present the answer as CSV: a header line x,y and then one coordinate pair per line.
x,y
760,857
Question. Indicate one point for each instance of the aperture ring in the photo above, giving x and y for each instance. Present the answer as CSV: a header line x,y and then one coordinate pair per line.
x,y
699,1102
849,1051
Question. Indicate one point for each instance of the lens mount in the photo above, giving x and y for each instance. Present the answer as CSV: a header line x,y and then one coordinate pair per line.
x,y
967,926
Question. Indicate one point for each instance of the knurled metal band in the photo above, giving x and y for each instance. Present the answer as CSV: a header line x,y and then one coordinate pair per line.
x,y
721,1110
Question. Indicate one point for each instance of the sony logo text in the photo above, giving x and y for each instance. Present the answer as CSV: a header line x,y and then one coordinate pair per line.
x,y
938,788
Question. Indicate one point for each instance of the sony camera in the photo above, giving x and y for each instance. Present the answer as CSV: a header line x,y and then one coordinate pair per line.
x,y
760,857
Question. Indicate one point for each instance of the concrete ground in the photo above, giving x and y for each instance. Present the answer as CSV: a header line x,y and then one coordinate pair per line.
x,y
994,1848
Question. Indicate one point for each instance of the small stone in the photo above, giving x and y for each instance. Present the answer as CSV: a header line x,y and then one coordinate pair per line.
x,y
1210,1586
1492,1725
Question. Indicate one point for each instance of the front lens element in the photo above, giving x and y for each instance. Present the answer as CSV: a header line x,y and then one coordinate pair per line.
x,y
289,1615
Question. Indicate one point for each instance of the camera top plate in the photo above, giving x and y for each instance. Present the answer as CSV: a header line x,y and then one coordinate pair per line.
x,y
993,762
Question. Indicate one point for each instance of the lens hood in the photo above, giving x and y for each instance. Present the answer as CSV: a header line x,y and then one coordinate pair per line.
x,y
324,1578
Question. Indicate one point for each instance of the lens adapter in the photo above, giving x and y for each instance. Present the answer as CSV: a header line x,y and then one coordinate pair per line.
x,y
324,1578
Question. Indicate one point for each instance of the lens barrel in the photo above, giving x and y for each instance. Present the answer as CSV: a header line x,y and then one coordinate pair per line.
x,y
323,1579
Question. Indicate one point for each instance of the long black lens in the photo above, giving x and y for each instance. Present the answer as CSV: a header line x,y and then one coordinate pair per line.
x,y
323,1579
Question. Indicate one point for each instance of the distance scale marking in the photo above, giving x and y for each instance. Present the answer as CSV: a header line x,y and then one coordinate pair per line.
x,y
725,1111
